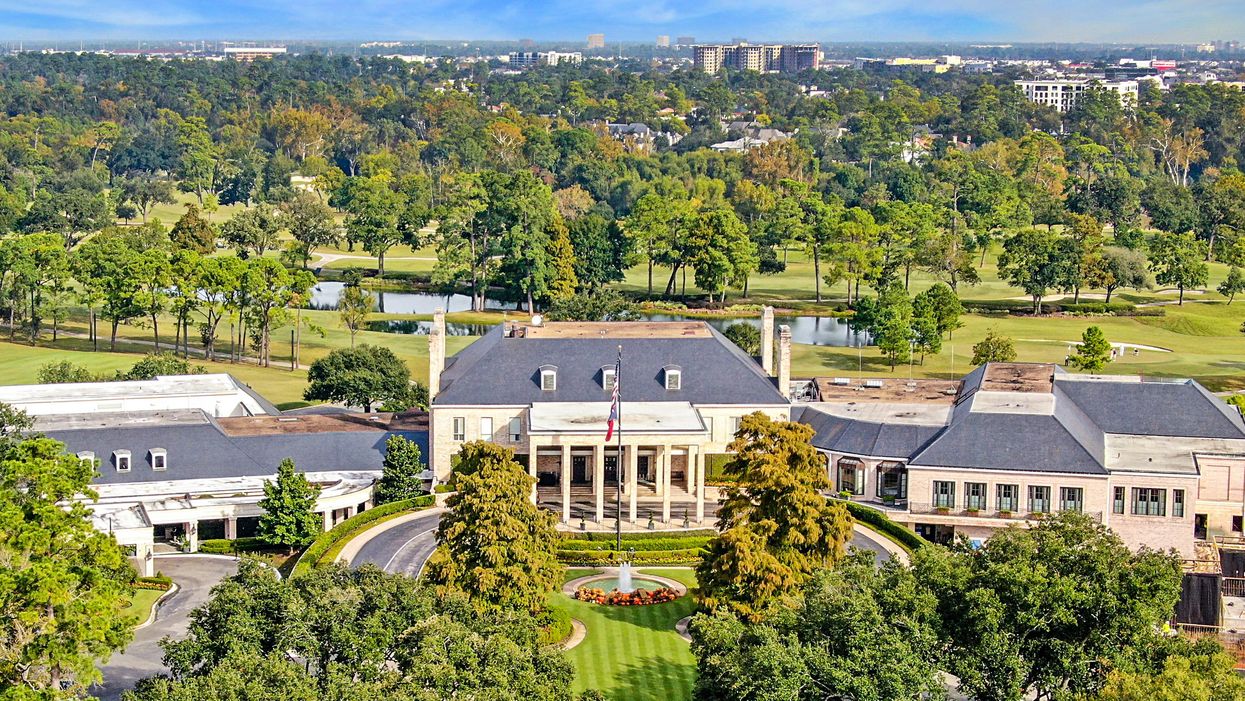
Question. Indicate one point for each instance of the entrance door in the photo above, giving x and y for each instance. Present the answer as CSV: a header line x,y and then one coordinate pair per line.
x,y
579,468
611,468
1199,526
645,464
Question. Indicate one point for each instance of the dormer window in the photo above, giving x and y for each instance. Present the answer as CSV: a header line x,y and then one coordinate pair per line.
x,y
607,378
87,457
121,459
548,378
159,459
674,377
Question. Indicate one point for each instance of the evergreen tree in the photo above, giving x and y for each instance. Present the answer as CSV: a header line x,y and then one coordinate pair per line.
x,y
1094,352
495,544
193,232
563,258
941,304
775,529
400,475
289,503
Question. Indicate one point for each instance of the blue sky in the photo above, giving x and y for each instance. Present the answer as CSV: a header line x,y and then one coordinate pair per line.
x,y
824,20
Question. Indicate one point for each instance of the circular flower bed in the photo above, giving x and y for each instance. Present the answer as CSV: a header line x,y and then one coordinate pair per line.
x,y
639,597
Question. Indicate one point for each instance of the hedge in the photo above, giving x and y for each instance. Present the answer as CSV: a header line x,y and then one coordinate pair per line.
x,y
1061,306
715,468
555,626
881,523
687,556
669,543
312,554
159,582
224,546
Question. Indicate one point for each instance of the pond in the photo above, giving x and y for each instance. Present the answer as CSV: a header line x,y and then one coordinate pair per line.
x,y
807,330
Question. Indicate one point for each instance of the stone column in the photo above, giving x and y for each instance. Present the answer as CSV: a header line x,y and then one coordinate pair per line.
x,y
192,535
533,459
350,512
767,339
566,484
598,480
633,469
784,361
689,469
663,462
665,483
700,487
231,529
436,353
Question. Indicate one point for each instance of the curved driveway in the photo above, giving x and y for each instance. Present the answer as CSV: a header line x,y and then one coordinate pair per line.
x,y
195,576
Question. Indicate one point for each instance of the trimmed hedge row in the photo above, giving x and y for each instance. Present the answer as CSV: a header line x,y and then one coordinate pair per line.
x,y
224,546
159,582
882,523
687,556
609,536
555,626
312,554
670,543
1062,306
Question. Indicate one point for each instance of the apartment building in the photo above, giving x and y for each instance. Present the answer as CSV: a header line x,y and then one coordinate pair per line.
x,y
596,41
1063,93
763,58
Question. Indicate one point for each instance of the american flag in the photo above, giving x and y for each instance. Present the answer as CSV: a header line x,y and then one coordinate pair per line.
x,y
613,420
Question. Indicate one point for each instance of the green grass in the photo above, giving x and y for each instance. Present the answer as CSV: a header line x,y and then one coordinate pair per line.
x,y
632,652
141,603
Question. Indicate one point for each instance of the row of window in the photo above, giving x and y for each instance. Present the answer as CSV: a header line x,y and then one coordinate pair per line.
x,y
892,478
122,460
1145,501
515,429
672,377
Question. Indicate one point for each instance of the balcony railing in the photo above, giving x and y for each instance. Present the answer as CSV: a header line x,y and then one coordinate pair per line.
x,y
917,507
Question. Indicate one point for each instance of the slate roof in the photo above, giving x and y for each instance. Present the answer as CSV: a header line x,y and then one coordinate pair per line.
x,y
867,438
203,451
1183,409
499,370
1027,442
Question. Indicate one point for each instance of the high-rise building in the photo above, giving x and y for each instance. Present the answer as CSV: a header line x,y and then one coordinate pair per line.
x,y
763,58
685,41
596,41
663,41
1063,93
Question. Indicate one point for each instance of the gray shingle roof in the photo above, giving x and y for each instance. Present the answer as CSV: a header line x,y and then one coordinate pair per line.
x,y
867,438
1181,409
997,441
496,370
202,451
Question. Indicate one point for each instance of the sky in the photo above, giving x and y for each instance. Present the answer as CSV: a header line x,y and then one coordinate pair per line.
x,y
1154,21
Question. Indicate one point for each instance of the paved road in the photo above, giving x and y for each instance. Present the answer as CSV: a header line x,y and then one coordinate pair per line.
x,y
407,547
195,575
403,548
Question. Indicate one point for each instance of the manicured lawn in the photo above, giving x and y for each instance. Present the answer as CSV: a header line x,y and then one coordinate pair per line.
x,y
141,603
632,652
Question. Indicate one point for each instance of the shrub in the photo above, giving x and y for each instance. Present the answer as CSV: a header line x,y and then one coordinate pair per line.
x,y
881,523
555,625
156,583
715,468
609,537
318,547
689,556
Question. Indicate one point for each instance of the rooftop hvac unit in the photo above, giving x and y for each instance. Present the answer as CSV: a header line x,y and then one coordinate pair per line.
x,y
873,384
842,381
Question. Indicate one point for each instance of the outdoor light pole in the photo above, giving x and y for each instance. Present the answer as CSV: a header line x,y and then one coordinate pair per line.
x,y
618,460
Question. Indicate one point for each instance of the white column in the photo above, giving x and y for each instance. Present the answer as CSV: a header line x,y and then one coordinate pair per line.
x,y
533,457
689,469
146,564
231,529
192,535
598,480
700,487
665,484
633,469
328,519
566,484
350,512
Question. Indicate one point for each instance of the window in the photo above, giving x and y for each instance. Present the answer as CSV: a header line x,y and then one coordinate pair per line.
x,y
1178,503
486,428
735,424
159,459
548,378
1007,497
1149,502
1237,525
1071,499
460,428
121,458
516,428
87,457
674,377
607,378
975,496
851,476
892,480
944,494
1117,503
1039,500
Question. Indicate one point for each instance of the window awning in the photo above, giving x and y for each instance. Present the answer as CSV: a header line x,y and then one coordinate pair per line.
x,y
636,417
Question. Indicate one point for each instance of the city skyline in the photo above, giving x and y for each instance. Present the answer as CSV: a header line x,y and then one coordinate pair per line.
x,y
1160,21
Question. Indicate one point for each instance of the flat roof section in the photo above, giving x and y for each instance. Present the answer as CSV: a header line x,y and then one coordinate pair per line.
x,y
121,419
323,423
1018,377
637,417
887,390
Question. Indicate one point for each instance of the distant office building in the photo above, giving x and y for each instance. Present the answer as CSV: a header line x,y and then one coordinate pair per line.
x,y
663,41
685,41
763,58
596,41
524,59
531,59
250,53
1063,93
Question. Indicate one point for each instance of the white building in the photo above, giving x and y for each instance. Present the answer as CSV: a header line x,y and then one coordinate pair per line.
x,y
1062,93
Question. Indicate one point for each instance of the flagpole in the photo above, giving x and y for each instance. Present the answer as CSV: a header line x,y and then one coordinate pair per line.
x,y
618,460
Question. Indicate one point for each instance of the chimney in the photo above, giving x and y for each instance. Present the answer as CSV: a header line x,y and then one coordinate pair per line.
x,y
436,353
784,360
767,339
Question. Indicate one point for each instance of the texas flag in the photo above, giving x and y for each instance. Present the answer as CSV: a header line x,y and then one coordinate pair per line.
x,y
613,420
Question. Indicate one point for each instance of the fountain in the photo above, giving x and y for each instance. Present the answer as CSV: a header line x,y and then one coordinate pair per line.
x,y
624,579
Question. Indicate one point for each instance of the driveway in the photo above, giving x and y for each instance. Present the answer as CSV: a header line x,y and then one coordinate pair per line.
x,y
195,576
404,548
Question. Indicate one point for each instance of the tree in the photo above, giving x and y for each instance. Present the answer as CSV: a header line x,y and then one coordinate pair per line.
x,y
1046,612
892,324
1124,268
271,290
1177,259
400,477
721,252
1233,284
372,217
746,336
63,583
360,376
153,365
193,232
774,526
1177,669
1093,353
941,304
108,265
64,371
289,503
254,231
563,281
994,348
311,225
495,544
145,193
853,621
353,307
1033,260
